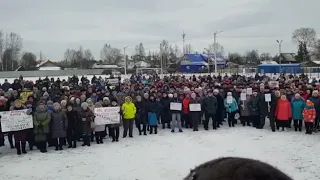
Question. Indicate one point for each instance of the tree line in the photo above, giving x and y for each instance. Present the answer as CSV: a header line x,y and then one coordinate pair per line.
x,y
11,55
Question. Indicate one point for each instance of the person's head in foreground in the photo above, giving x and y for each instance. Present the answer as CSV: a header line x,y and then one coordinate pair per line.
x,y
232,168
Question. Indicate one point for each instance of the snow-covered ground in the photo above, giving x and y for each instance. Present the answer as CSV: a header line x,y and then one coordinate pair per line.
x,y
167,156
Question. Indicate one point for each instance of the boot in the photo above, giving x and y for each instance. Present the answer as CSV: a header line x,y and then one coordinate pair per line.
x,y
74,144
151,130
84,141
23,148
69,144
43,147
60,146
163,126
88,141
57,147
18,148
155,130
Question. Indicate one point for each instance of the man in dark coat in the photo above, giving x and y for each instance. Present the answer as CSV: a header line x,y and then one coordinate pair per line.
x,y
220,109
210,106
266,109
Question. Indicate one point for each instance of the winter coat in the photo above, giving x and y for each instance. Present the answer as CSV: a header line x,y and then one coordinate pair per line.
x,y
165,112
210,105
86,117
6,86
140,113
263,105
231,107
59,124
309,114
73,121
246,110
41,121
185,105
254,106
283,110
116,125
297,106
316,102
152,119
129,110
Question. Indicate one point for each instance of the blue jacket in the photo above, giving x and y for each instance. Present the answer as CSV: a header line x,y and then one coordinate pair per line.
x,y
231,107
152,119
297,106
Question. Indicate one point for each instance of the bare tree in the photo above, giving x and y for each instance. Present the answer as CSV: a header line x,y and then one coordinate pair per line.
x,y
307,36
140,53
110,54
188,48
165,52
252,57
265,56
220,49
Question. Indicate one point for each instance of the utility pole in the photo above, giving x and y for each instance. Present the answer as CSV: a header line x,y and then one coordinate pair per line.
x,y
280,43
161,59
208,51
215,51
125,60
183,42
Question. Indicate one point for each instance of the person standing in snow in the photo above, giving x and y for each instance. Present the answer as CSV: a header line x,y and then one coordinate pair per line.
x,y
129,113
297,105
99,129
210,106
283,112
41,121
73,126
195,116
86,116
231,108
309,116
20,137
59,126
175,115
114,129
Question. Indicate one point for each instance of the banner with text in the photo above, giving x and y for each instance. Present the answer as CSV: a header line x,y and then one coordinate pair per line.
x,y
15,120
107,115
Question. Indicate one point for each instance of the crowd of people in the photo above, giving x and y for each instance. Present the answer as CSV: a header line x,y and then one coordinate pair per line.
x,y
63,111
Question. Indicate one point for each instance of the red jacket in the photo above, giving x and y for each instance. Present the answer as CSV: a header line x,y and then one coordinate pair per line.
x,y
309,115
185,105
283,110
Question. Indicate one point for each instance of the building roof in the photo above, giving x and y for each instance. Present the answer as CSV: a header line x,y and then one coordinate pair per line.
x,y
288,57
104,66
268,62
45,62
195,57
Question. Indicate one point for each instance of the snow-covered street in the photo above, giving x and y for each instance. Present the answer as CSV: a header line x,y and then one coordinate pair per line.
x,y
167,156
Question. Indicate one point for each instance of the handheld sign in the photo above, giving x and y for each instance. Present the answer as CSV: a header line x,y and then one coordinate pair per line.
x,y
195,107
243,96
175,106
229,99
249,91
267,98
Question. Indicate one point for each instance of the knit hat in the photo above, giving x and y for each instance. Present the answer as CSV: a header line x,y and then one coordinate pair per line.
x,y
84,105
46,94
49,103
170,95
309,103
56,105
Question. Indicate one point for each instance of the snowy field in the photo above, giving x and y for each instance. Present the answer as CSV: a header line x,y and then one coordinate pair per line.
x,y
312,75
167,156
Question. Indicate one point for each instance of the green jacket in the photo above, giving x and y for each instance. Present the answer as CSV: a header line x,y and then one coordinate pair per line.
x,y
41,121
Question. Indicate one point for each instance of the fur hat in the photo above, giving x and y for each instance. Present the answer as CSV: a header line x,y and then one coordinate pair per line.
x,y
56,105
84,105
170,95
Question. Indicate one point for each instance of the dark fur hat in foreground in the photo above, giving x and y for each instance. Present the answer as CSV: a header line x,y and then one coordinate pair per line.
x,y
232,168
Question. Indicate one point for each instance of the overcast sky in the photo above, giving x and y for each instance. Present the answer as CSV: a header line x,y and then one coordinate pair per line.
x,y
54,26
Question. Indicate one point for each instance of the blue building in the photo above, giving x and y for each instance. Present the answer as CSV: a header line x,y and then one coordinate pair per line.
x,y
193,63
285,68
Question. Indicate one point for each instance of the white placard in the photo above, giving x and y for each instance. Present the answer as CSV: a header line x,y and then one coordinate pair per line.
x,y
175,106
267,97
15,120
229,99
243,96
114,81
107,115
249,91
195,107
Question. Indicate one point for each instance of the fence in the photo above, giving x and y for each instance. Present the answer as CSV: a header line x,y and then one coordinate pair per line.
x,y
16,74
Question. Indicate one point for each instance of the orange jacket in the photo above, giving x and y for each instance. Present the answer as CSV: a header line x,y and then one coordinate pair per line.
x,y
283,110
